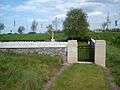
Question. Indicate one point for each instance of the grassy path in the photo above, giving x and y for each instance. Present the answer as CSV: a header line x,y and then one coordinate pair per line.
x,y
82,77
52,80
111,79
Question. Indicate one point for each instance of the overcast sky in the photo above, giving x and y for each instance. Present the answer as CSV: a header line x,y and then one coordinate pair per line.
x,y
44,11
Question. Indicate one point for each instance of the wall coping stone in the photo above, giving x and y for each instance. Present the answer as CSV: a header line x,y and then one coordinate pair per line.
x,y
32,44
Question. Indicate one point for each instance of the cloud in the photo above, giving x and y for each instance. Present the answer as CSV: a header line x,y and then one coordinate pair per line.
x,y
57,7
1,14
79,1
107,1
95,13
4,7
47,10
116,1
38,1
38,20
25,8
61,16
38,5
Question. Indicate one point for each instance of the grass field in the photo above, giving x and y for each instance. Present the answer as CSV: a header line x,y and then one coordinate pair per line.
x,y
82,77
26,72
113,52
108,36
31,37
58,36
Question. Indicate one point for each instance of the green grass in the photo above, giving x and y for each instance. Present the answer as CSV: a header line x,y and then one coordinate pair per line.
x,y
26,72
82,77
113,53
23,37
113,62
108,36
31,37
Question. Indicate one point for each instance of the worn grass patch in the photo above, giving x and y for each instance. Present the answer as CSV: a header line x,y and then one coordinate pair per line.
x,y
82,77
26,72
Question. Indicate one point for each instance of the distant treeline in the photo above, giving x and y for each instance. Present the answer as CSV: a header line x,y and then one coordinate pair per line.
x,y
108,30
58,31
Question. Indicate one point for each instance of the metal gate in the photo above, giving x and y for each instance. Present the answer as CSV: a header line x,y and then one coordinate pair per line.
x,y
86,53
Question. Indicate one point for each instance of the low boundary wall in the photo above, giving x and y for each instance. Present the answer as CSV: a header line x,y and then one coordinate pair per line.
x,y
48,48
16,45
67,50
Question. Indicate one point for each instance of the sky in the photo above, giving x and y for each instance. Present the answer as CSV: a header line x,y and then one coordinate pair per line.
x,y
45,11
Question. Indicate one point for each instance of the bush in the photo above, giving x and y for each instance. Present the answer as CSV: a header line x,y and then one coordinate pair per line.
x,y
116,41
32,33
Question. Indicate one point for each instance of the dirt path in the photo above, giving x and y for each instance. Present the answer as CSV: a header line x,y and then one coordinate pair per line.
x,y
111,80
52,80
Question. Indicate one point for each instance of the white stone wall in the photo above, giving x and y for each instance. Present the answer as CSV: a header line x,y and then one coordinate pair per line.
x,y
64,49
67,50
49,48
32,44
52,51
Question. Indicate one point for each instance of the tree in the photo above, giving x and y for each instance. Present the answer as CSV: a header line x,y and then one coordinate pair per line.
x,y
34,26
55,24
50,30
2,27
75,25
21,29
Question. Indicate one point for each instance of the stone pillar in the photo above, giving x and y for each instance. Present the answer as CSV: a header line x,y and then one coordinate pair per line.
x,y
100,52
72,53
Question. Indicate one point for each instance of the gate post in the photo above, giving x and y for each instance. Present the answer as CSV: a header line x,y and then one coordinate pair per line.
x,y
72,51
100,52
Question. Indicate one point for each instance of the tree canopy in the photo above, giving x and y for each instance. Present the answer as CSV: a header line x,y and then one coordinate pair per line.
x,y
21,29
2,26
34,26
75,25
50,29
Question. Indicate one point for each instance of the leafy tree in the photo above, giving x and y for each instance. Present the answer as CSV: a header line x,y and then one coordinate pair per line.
x,y
49,31
2,26
75,25
34,26
55,24
21,29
